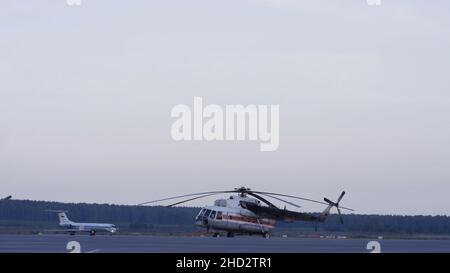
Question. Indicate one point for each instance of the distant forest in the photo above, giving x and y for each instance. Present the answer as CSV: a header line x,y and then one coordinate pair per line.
x,y
26,216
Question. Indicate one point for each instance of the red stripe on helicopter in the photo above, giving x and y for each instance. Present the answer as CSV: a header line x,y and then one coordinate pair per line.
x,y
254,220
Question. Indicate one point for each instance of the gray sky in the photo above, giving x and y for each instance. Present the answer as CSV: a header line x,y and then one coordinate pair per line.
x,y
364,94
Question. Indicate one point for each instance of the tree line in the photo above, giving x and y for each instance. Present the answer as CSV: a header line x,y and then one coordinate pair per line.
x,y
34,214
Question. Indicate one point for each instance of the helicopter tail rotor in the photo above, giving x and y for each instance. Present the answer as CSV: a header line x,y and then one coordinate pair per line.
x,y
336,204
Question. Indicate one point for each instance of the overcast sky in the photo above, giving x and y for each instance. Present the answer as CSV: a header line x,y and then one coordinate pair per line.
x,y
364,92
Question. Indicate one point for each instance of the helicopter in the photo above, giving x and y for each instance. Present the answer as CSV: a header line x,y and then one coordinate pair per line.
x,y
248,212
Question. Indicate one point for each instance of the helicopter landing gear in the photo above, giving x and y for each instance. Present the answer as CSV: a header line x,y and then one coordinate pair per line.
x,y
72,233
216,235
266,235
230,234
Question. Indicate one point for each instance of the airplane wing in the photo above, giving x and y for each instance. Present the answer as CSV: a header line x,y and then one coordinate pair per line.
x,y
61,230
280,214
64,230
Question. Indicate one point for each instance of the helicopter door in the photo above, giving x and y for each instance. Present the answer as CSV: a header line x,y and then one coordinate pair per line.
x,y
213,214
219,215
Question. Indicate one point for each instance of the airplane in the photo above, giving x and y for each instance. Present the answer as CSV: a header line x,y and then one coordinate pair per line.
x,y
73,227
250,213
6,198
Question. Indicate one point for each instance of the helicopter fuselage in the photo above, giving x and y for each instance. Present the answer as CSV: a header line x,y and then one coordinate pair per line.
x,y
250,212
228,215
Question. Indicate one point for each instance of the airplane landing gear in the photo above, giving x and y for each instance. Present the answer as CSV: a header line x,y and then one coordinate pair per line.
x,y
230,234
266,235
92,233
216,235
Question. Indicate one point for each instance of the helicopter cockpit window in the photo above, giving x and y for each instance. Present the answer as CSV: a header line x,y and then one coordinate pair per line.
x,y
219,215
208,211
202,212
213,214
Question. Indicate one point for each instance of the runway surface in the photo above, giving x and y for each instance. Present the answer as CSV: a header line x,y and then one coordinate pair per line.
x,y
117,243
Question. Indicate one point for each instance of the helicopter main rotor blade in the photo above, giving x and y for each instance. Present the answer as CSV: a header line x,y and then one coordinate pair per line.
x,y
346,208
300,198
184,195
261,198
292,196
190,199
282,200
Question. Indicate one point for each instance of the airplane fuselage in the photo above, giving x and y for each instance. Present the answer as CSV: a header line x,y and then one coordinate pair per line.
x,y
90,227
74,227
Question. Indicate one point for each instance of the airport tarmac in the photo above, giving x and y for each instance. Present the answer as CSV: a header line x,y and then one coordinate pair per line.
x,y
171,244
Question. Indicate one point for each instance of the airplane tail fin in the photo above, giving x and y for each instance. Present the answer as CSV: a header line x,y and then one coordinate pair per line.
x,y
63,219
62,216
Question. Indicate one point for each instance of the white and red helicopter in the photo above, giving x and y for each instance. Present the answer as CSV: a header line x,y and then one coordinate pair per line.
x,y
250,213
